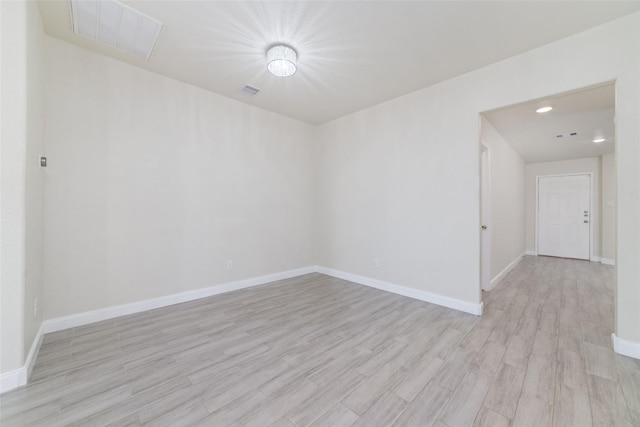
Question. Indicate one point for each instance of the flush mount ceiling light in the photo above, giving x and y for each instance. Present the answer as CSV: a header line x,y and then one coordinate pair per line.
x,y
599,140
117,25
281,60
544,109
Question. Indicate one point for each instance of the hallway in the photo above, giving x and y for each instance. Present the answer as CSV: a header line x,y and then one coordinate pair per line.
x,y
557,317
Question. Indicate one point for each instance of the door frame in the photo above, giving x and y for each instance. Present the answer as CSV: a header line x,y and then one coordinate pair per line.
x,y
591,197
485,217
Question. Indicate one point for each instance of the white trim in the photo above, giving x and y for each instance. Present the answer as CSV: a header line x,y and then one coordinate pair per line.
x,y
625,348
442,300
606,261
498,277
11,380
485,217
33,353
19,377
85,318
591,199
88,317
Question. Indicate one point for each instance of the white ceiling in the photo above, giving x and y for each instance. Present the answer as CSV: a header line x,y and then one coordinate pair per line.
x,y
589,113
351,55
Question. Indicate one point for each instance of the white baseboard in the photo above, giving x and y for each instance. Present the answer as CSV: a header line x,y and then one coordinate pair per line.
x,y
625,348
107,313
33,353
11,380
606,261
498,277
19,377
442,300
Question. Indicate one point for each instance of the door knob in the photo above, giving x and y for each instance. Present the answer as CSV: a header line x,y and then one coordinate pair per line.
x,y
484,227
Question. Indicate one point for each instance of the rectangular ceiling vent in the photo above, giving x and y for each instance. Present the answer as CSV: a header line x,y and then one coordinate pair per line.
x,y
117,25
250,90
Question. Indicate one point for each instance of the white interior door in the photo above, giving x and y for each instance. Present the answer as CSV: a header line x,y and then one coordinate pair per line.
x,y
485,203
564,216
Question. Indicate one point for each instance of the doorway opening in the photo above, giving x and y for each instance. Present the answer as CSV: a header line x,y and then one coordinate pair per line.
x,y
529,145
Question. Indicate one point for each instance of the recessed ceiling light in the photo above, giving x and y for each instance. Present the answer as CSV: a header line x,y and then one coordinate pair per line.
x,y
599,140
544,109
281,60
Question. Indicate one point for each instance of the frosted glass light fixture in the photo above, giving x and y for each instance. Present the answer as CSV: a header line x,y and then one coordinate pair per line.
x,y
281,60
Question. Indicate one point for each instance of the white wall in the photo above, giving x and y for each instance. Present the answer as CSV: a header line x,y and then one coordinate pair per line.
x,y
608,243
400,183
401,178
152,185
626,70
14,136
22,124
587,165
507,220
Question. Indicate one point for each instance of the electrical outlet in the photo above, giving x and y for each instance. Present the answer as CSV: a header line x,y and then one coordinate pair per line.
x,y
35,307
376,263
230,264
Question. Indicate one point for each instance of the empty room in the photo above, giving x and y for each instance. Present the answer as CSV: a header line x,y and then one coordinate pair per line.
x,y
310,213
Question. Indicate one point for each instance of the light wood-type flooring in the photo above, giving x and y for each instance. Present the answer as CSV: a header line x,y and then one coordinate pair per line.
x,y
319,351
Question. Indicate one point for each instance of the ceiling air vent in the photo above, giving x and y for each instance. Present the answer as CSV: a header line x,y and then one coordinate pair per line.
x,y
117,25
250,90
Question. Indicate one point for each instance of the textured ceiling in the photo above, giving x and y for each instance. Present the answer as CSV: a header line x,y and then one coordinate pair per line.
x,y
352,55
588,113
